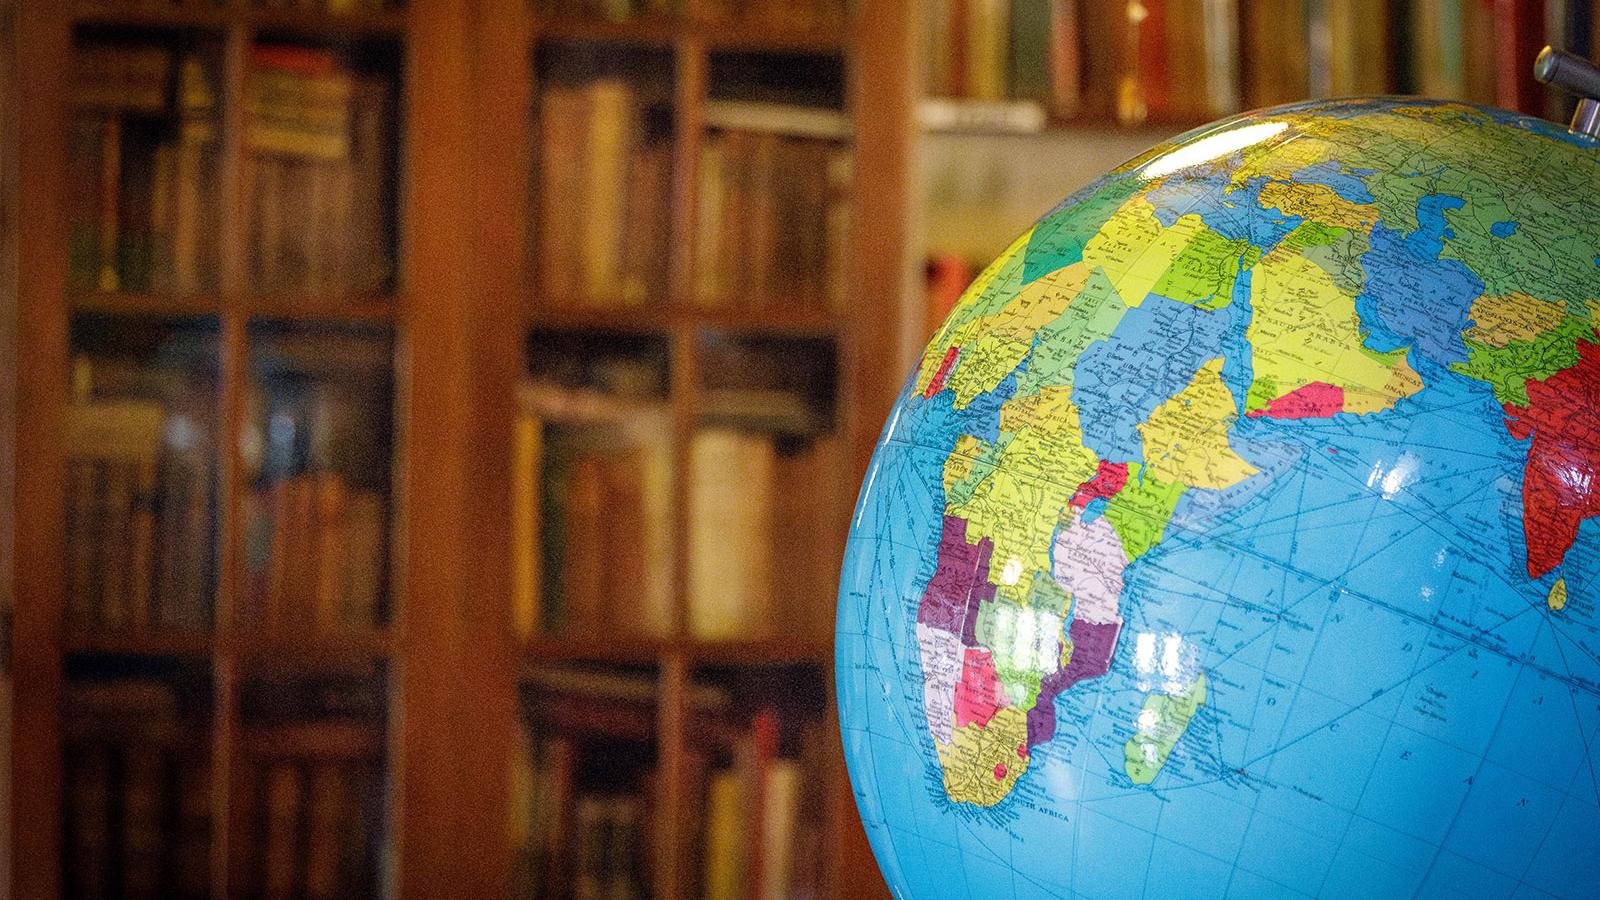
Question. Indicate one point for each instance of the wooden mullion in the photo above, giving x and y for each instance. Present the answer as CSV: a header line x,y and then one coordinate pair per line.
x,y
689,99
433,713
230,414
43,52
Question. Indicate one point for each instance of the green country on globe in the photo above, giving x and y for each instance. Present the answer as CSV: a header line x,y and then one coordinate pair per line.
x,y
1234,535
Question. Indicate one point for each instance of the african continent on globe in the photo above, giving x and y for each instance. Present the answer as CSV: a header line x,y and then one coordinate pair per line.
x,y
1233,536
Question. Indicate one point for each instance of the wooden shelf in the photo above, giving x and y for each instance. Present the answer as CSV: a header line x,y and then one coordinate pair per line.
x,y
748,319
321,307
294,21
331,647
669,32
631,649
325,307
130,304
142,642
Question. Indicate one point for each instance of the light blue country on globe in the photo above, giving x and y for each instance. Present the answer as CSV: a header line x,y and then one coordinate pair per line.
x,y
1234,536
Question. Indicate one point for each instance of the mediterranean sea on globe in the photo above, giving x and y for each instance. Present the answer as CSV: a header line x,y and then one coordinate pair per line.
x,y
1234,537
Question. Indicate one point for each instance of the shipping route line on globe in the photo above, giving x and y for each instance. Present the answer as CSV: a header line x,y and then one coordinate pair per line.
x,y
1240,521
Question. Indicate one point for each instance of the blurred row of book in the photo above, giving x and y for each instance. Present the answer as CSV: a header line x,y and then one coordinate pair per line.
x,y
1189,61
599,483
145,155
305,800
142,491
772,209
588,780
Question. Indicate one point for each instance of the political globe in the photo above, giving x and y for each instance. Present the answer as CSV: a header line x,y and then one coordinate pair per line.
x,y
1234,536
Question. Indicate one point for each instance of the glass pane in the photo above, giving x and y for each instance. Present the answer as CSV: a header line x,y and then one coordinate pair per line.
x,y
757,748
308,807
136,805
766,499
144,155
593,503
584,783
321,133
773,216
604,174
141,462
317,458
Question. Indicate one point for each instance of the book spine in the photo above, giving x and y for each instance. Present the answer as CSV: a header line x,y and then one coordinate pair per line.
x,y
280,852
331,542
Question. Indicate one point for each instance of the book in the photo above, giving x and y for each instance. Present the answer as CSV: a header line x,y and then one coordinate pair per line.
x,y
88,834
318,170
142,160
1282,75
726,827
526,535
143,841
280,853
1030,37
327,816
113,451
611,113
121,77
730,533
773,218
191,853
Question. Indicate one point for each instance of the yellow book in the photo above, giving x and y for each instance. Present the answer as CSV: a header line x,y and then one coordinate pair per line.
x,y
326,813
726,827
283,814
611,114
730,533
525,532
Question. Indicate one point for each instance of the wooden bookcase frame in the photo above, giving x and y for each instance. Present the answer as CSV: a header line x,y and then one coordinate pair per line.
x,y
460,312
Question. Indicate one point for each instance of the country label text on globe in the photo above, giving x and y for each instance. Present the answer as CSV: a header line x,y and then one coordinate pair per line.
x,y
1235,535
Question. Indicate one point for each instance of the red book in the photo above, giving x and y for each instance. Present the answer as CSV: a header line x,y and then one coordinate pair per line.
x,y
1520,27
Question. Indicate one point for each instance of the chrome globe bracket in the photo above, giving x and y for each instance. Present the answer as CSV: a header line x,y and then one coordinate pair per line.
x,y
1575,75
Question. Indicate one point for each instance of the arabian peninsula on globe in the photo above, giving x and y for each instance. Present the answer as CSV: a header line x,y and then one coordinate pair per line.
x,y
1234,535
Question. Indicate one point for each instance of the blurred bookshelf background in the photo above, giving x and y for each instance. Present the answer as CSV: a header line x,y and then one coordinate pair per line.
x,y
438,422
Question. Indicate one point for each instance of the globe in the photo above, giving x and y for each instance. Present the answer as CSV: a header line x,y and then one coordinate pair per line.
x,y
1234,536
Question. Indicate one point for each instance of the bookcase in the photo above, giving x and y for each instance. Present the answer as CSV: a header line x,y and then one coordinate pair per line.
x,y
406,509
244,417
691,367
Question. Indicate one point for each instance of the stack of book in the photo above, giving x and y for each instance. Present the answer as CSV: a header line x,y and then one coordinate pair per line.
x,y
762,835
318,172
315,554
773,222
593,495
137,801
605,188
143,151
140,509
308,789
